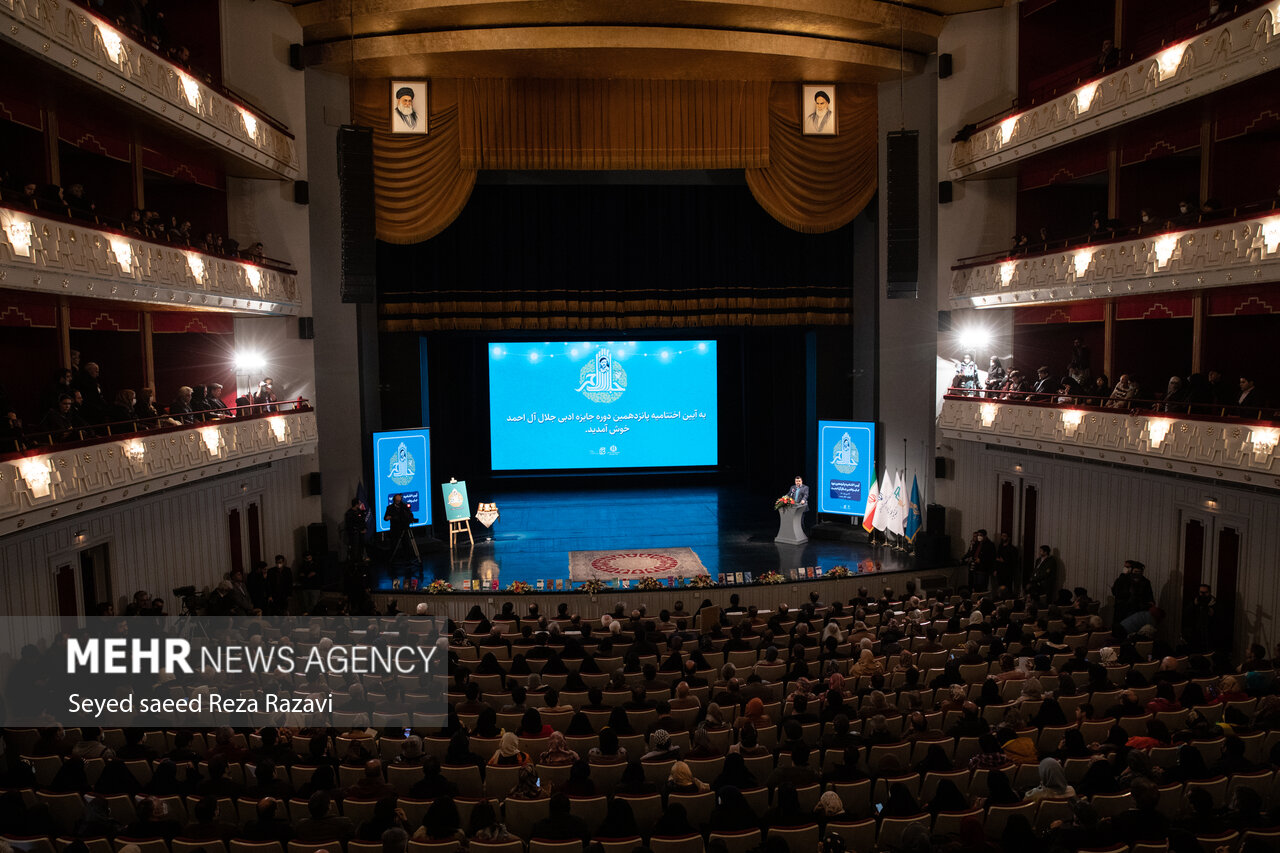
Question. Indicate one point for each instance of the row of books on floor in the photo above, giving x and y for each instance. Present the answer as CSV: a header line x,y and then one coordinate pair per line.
x,y
413,584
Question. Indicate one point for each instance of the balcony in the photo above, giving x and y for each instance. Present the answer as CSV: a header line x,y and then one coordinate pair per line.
x,y
1238,50
74,258
46,484
1216,254
87,47
1222,449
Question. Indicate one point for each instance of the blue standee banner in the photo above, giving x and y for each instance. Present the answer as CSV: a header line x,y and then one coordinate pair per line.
x,y
602,404
402,466
846,466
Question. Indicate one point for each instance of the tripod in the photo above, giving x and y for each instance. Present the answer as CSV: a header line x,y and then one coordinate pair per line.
x,y
407,533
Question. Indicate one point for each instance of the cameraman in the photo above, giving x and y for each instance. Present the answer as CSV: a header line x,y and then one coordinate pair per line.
x,y
1198,621
399,515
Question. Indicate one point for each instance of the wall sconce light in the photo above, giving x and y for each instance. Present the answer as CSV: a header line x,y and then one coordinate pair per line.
x,y
1271,234
1080,262
1168,60
79,537
1157,429
37,475
1084,97
1210,503
111,41
1264,441
195,263
1164,249
1007,128
123,250
20,233
988,411
135,450
212,438
1071,420
1018,468
278,426
250,123
1006,272
190,90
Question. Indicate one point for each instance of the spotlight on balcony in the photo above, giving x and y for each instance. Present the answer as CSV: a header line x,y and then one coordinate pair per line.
x,y
1006,272
20,233
1264,440
1164,249
1007,128
975,340
190,90
254,277
277,425
1071,419
1080,262
123,250
1157,429
1271,234
250,123
1168,60
37,474
195,263
1084,97
989,411
112,42
250,362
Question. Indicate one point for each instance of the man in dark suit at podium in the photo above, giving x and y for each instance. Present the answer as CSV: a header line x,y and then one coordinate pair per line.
x,y
799,492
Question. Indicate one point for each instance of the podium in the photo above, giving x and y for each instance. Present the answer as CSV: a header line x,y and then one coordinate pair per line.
x,y
790,528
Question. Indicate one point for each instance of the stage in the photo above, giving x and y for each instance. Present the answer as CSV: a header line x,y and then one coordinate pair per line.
x,y
729,530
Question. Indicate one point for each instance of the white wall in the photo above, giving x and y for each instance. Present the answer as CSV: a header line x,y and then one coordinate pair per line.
x,y
1097,516
908,327
170,539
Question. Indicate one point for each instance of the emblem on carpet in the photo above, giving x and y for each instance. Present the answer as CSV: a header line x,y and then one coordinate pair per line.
x,y
634,565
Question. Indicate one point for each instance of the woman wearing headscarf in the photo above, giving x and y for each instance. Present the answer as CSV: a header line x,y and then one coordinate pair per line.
x,y
1053,782
867,665
619,722
732,812
714,717
682,781
527,787
702,747
531,724
608,752
633,781
487,724
1050,714
579,783
485,826
830,807
509,753
900,802
674,822
735,774
660,747
557,752
753,714
947,798
748,745
459,752
441,822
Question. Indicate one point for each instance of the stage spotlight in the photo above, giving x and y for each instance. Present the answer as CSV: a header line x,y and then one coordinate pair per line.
x,y
250,362
975,340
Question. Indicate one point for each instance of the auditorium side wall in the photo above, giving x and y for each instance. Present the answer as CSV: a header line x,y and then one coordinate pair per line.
x,y
1097,516
172,539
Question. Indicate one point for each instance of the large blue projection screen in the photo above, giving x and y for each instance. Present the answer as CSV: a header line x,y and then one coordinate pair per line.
x,y
624,404
402,466
846,464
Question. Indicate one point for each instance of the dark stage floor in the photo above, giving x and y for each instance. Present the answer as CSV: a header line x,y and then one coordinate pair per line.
x,y
729,529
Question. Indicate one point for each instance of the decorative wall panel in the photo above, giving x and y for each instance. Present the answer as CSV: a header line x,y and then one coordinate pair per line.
x,y
89,48
1225,451
75,259
41,487
1238,50
1244,251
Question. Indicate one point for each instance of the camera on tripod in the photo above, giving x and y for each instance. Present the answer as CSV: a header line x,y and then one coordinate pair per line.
x,y
192,602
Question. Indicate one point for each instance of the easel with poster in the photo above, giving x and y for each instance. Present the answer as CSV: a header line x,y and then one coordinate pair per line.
x,y
457,509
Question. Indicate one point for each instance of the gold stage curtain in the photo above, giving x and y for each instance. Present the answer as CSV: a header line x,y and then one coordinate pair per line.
x,y
816,184
419,184
613,124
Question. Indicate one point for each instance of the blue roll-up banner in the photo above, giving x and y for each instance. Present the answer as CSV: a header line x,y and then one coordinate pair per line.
x,y
402,466
846,466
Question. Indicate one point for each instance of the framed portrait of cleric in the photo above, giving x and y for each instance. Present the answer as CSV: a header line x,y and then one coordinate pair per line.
x,y
818,109
408,106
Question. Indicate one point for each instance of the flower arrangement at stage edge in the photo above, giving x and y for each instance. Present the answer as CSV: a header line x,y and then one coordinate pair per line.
x,y
702,582
771,578
783,501
838,572
519,588
592,586
438,586
651,584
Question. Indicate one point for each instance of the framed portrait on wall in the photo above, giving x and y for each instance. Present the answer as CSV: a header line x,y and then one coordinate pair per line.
x,y
818,109
408,106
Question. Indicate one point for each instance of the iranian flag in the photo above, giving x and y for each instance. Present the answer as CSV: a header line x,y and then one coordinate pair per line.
x,y
881,521
873,497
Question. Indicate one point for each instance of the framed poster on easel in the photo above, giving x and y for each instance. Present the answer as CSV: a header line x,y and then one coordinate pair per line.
x,y
457,509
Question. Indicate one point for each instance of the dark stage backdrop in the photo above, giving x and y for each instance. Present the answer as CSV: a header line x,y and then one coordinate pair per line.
x,y
632,257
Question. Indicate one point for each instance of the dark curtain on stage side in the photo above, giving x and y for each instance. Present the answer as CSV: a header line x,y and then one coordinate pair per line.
x,y
569,258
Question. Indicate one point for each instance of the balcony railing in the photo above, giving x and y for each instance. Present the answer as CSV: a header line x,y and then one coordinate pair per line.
x,y
70,257
1214,254
46,483
1213,446
94,51
1242,48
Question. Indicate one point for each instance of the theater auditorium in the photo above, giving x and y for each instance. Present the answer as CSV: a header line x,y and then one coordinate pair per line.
x,y
760,425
